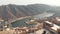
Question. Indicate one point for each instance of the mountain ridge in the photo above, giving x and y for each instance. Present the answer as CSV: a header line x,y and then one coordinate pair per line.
x,y
12,11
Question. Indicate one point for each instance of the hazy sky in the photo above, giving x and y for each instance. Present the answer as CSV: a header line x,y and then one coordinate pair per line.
x,y
25,2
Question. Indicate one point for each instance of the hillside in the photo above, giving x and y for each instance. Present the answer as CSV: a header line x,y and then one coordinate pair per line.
x,y
12,11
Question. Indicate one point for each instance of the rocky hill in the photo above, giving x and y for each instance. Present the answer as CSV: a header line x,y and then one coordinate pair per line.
x,y
12,11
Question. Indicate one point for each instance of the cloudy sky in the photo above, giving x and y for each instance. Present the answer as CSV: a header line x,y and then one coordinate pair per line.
x,y
25,2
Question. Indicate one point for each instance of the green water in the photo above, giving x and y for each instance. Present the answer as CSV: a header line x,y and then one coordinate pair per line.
x,y
22,23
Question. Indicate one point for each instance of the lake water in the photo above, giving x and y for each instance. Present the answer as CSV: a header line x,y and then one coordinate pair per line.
x,y
22,23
